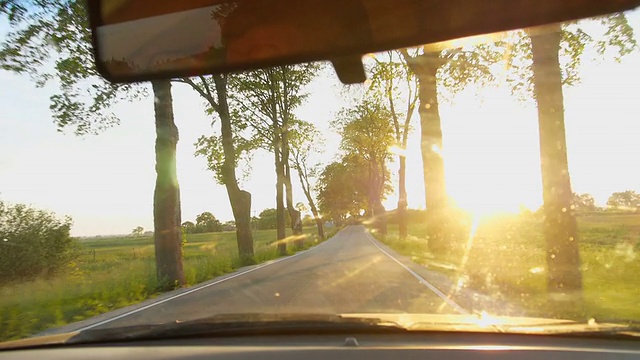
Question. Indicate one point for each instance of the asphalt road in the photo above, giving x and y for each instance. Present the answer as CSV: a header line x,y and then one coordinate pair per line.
x,y
350,273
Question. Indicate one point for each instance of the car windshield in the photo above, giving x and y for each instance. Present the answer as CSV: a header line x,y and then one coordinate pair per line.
x,y
484,178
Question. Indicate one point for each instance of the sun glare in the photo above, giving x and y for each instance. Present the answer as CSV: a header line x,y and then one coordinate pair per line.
x,y
491,157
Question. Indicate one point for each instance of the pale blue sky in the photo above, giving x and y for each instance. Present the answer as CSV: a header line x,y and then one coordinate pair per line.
x,y
106,182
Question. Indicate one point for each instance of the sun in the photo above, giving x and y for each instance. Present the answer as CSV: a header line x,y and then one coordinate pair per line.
x,y
491,157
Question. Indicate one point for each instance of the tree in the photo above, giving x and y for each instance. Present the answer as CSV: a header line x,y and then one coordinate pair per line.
x,y
33,243
268,219
540,72
342,189
583,203
453,69
628,199
304,141
266,99
223,153
166,195
393,83
208,223
188,227
56,33
367,133
137,231
229,225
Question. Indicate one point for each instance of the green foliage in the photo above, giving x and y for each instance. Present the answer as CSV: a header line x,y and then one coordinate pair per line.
x,y
342,188
367,135
455,68
206,222
115,272
366,130
210,147
266,98
393,82
137,231
267,220
188,227
33,243
618,36
583,203
506,259
51,40
626,199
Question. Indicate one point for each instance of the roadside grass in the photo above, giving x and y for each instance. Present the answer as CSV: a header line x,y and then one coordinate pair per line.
x,y
116,272
505,258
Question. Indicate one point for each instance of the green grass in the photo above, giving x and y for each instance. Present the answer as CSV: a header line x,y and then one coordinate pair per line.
x,y
506,259
115,272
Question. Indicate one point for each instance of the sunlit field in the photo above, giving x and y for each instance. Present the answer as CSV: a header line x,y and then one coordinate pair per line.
x,y
506,260
115,272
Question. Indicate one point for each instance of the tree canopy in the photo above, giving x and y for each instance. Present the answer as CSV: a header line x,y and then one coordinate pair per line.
x,y
628,199
33,243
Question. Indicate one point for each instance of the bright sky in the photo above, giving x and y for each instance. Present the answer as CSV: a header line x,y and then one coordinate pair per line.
x,y
491,151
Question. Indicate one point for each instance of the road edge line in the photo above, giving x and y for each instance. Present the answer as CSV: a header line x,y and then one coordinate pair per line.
x,y
422,280
203,286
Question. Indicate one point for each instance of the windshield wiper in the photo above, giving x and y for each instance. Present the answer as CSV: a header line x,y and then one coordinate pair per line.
x,y
601,328
240,324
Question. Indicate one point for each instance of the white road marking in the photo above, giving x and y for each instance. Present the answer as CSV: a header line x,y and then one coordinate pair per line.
x,y
191,291
422,280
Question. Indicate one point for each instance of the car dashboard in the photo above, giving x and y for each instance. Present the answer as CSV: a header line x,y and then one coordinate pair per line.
x,y
347,347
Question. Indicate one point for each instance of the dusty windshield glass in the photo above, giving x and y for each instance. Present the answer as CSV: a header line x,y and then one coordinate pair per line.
x,y
480,183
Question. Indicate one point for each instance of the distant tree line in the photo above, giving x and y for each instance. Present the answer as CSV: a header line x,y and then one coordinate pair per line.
x,y
627,200
266,220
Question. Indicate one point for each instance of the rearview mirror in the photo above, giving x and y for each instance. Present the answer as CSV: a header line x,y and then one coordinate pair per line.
x,y
138,40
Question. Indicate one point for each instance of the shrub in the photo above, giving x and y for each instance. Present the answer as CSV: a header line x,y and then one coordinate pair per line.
x,y
33,243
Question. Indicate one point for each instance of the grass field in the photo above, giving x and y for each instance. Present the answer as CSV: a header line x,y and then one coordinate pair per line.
x,y
115,272
506,259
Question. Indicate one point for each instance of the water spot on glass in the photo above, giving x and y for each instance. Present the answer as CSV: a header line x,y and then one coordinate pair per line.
x,y
537,269
277,294
436,149
564,209
626,251
553,256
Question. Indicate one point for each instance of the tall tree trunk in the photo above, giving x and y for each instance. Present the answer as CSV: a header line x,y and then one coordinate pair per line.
x,y
166,198
241,206
279,164
280,220
240,200
560,228
306,189
376,210
294,214
431,147
381,212
402,198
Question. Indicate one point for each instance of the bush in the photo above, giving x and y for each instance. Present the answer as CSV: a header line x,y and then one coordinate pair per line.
x,y
33,243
